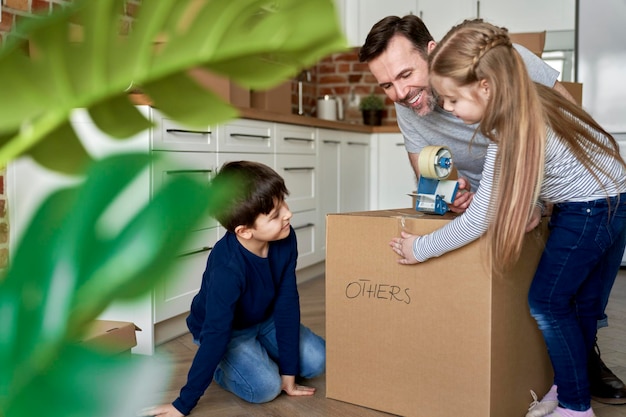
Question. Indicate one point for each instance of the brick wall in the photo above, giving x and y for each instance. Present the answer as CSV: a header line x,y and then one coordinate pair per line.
x,y
343,75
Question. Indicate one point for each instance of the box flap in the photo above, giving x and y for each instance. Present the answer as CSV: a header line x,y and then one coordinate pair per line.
x,y
111,336
533,41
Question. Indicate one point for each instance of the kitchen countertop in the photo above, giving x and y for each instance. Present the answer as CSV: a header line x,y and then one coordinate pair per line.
x,y
256,114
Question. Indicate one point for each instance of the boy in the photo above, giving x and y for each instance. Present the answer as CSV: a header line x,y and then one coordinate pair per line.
x,y
246,317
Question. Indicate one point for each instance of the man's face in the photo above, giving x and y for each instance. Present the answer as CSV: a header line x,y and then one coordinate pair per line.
x,y
403,74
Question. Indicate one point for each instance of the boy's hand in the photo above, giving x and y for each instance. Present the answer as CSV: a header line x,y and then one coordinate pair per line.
x,y
291,388
463,197
166,410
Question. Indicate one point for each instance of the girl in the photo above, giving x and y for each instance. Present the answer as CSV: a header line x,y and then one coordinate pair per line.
x,y
543,149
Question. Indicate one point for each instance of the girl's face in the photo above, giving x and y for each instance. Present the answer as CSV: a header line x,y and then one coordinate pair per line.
x,y
467,102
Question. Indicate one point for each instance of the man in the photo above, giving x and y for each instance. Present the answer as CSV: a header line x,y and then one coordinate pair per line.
x,y
396,51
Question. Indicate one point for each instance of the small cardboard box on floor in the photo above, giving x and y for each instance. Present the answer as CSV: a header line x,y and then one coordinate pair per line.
x,y
114,337
439,339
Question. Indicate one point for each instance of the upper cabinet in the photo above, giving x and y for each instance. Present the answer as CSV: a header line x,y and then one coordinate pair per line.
x,y
530,15
358,16
440,15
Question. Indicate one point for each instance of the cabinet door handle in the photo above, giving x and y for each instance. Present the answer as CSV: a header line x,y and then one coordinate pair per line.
x,y
400,144
357,143
334,142
197,132
299,139
299,168
196,251
189,171
245,135
304,226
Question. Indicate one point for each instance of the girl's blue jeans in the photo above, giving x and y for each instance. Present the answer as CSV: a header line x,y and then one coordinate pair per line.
x,y
572,285
249,368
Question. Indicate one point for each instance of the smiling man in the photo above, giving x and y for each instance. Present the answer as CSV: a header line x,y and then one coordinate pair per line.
x,y
396,51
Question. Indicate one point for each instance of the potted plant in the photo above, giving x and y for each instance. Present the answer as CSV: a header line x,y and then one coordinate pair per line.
x,y
372,107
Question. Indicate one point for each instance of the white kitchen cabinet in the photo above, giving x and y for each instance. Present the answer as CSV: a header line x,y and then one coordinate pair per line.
x,y
325,170
28,184
296,147
292,139
167,135
173,296
344,165
358,16
329,163
299,173
441,15
530,15
248,136
306,226
354,172
392,176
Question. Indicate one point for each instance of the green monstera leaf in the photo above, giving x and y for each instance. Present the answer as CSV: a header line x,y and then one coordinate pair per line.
x,y
256,43
73,260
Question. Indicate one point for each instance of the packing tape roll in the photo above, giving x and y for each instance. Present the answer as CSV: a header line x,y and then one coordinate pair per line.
x,y
428,162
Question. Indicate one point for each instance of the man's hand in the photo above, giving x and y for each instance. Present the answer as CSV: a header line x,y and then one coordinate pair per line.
x,y
463,197
403,246
291,388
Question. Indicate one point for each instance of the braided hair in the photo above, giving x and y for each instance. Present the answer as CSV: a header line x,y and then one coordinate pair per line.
x,y
516,116
470,53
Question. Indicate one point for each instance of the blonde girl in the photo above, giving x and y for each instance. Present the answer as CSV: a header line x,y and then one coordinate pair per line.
x,y
543,150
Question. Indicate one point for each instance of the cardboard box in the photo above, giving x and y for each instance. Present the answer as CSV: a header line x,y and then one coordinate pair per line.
x,y
575,89
443,338
114,337
533,41
222,86
277,99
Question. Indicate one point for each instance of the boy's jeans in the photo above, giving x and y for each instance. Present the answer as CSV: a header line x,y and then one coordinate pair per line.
x,y
249,369
576,271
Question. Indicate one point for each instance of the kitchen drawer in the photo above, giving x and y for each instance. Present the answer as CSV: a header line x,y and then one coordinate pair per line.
x,y
299,173
295,139
174,294
168,135
246,136
267,159
304,224
168,165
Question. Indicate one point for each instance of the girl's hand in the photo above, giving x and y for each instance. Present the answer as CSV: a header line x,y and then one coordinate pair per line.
x,y
534,220
403,246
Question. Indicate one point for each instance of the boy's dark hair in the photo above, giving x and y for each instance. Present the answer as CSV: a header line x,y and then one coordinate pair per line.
x,y
409,26
257,188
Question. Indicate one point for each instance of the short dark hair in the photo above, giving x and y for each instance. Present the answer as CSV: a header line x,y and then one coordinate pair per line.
x,y
409,26
258,189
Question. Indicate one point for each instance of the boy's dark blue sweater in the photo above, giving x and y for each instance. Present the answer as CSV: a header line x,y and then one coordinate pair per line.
x,y
240,290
